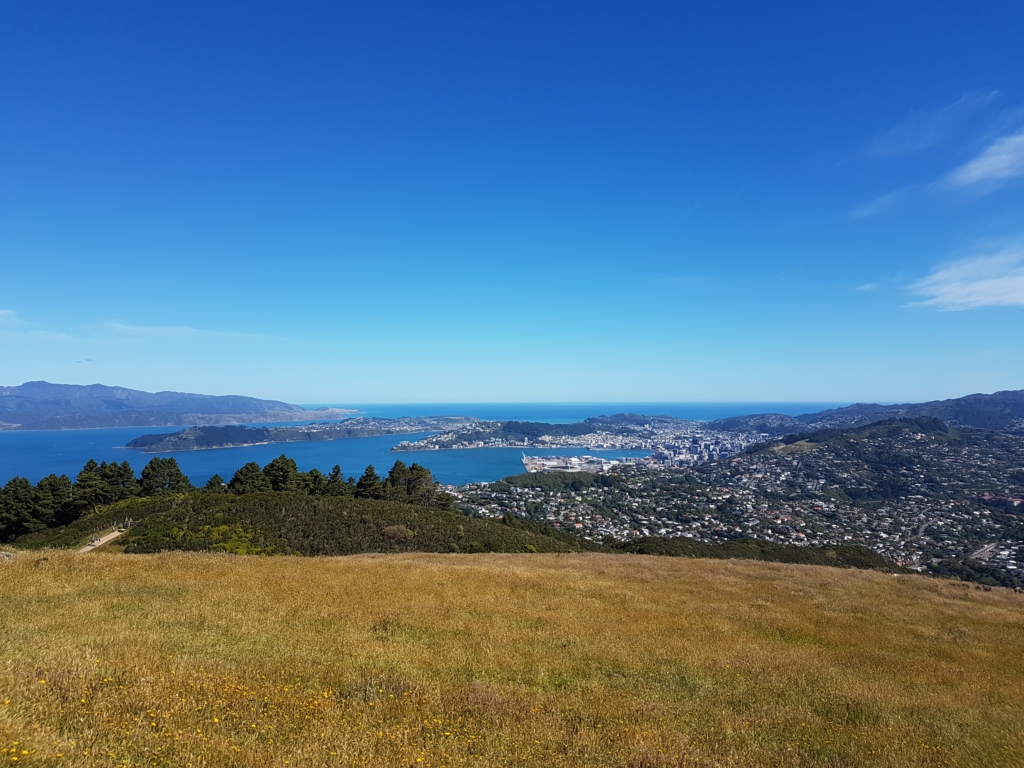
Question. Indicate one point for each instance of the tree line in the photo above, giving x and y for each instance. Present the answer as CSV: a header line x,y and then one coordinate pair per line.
x,y
57,501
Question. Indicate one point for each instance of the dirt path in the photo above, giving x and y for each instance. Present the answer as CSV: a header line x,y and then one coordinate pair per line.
x,y
103,540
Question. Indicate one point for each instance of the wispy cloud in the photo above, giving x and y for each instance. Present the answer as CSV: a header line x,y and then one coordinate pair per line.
x,y
885,203
1001,160
988,280
114,332
13,326
926,129
867,287
117,330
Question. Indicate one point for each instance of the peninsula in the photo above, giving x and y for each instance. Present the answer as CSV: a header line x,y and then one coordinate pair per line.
x,y
207,437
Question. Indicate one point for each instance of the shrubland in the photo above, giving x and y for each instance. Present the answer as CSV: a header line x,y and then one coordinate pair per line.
x,y
289,523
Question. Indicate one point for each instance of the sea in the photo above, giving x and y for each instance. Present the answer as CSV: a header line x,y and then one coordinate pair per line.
x,y
35,454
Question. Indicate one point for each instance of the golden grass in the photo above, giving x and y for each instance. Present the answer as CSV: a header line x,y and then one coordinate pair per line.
x,y
500,660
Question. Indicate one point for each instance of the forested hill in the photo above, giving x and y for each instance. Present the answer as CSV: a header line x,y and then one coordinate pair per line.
x,y
41,405
1000,411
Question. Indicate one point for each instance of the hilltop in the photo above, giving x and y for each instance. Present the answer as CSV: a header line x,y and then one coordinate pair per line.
x,y
41,405
560,661
1000,411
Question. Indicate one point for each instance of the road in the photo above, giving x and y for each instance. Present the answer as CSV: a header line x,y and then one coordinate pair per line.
x,y
103,540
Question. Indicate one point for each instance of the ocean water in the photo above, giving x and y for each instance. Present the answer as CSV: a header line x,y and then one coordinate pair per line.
x,y
37,454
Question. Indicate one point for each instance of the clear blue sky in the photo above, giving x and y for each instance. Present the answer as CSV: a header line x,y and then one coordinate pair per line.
x,y
488,201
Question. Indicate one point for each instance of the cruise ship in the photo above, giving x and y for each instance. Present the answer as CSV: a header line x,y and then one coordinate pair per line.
x,y
591,464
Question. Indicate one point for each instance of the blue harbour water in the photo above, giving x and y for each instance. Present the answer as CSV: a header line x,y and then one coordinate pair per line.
x,y
37,454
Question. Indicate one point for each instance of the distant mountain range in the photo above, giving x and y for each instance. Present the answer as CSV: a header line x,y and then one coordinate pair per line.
x,y
41,405
1001,411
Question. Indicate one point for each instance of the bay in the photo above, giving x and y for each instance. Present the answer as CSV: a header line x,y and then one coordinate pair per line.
x,y
36,454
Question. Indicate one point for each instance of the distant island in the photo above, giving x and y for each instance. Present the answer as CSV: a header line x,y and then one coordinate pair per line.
x,y
39,405
200,438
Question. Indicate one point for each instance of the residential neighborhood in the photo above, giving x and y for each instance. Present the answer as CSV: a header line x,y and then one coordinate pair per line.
x,y
930,501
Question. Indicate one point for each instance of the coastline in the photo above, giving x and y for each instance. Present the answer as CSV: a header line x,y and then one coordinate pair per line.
x,y
265,442
396,449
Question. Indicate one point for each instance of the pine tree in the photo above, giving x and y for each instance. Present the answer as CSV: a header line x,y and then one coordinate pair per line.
x,y
282,473
90,488
369,485
397,484
216,484
57,495
163,476
336,485
120,480
421,485
249,479
21,509
314,482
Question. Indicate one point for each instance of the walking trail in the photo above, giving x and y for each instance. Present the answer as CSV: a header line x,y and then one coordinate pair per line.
x,y
103,540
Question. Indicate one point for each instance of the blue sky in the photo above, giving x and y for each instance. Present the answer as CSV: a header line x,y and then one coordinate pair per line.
x,y
374,202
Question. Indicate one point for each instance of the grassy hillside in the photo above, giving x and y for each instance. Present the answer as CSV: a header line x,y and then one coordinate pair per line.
x,y
185,659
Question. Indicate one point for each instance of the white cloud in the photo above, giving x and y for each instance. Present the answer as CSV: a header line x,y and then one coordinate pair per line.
x,y
927,129
13,326
1003,159
867,287
992,280
885,203
121,331
113,332
1000,161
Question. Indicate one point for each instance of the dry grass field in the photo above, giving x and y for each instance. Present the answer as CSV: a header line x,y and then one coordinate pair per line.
x,y
500,660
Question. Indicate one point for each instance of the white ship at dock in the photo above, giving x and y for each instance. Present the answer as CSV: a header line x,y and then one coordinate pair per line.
x,y
592,464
